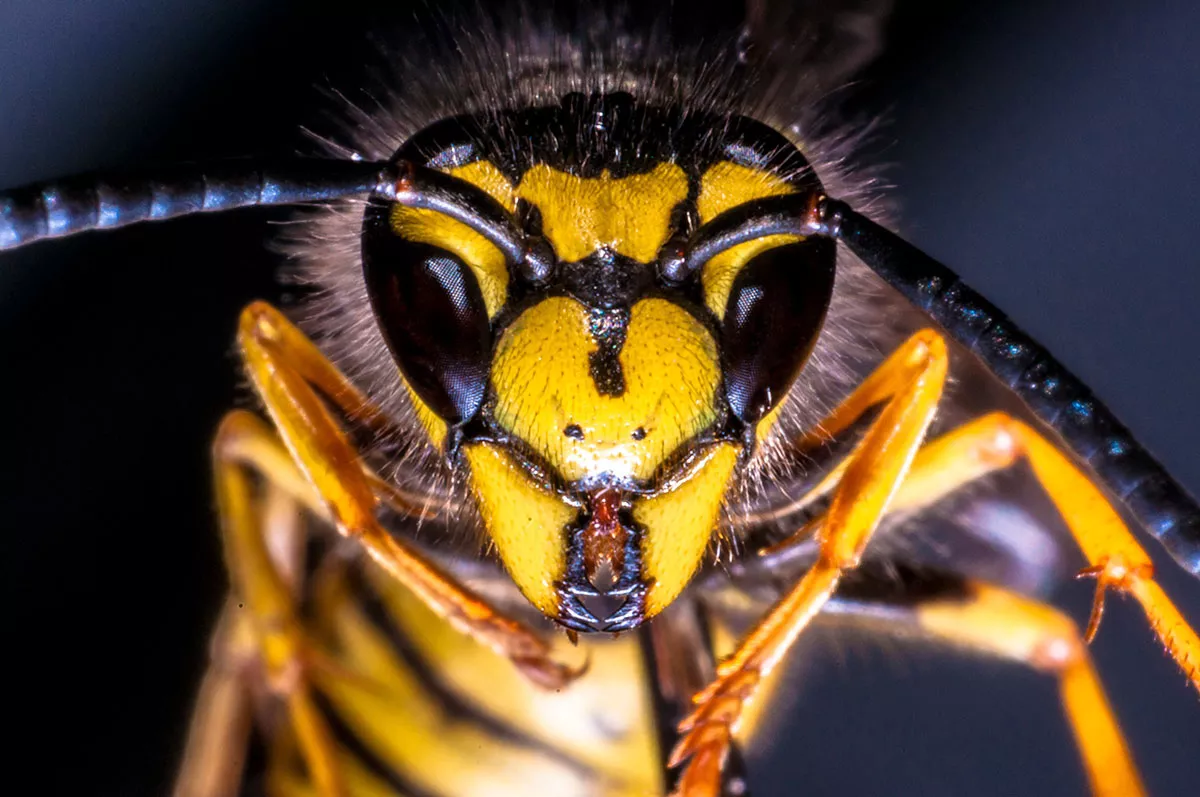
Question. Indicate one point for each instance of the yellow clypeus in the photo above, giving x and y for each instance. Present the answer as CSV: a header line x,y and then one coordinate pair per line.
x,y
544,384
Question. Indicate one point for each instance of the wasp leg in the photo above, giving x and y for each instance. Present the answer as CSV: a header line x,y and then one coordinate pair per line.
x,y
910,381
1114,556
678,649
218,736
1002,623
219,732
905,601
284,367
264,568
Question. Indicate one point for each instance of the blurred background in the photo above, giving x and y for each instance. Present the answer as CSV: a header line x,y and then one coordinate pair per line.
x,y
1049,156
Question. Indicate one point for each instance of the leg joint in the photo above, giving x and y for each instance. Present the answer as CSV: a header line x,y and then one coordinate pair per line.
x,y
237,427
1000,445
259,320
1059,648
928,346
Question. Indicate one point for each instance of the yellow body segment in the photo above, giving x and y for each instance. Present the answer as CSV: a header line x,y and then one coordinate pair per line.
x,y
430,747
525,522
679,524
629,215
485,260
723,187
604,720
544,384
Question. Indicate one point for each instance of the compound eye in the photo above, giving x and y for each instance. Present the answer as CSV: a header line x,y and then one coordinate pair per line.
x,y
773,316
431,311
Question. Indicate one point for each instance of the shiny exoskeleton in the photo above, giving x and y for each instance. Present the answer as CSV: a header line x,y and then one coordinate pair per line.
x,y
612,381
597,308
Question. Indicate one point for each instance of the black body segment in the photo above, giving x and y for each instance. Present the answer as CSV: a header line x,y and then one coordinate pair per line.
x,y
98,202
775,311
1055,395
432,315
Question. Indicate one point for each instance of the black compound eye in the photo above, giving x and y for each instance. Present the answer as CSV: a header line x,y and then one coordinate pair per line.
x,y
774,314
433,317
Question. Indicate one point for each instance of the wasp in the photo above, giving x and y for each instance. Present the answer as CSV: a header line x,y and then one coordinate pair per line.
x,y
595,324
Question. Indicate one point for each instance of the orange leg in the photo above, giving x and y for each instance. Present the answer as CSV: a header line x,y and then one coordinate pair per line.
x,y
284,367
910,381
1005,624
219,734
260,648
1000,623
235,680
264,568
1113,554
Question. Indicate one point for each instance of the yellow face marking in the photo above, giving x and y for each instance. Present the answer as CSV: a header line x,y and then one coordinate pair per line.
x,y
544,384
678,525
630,215
485,260
723,187
524,521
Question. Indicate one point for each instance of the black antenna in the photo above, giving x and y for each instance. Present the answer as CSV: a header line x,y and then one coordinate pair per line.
x,y
1056,396
103,202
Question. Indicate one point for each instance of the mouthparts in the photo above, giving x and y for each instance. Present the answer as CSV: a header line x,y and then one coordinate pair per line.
x,y
604,589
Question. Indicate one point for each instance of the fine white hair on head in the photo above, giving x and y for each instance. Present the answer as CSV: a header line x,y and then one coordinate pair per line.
x,y
491,65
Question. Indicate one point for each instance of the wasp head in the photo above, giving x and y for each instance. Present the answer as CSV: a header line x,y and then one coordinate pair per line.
x,y
601,401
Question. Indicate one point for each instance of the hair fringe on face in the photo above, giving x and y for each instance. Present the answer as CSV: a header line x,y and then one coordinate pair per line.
x,y
483,63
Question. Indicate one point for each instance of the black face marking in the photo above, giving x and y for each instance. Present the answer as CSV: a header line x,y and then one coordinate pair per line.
x,y
586,135
608,328
529,217
605,279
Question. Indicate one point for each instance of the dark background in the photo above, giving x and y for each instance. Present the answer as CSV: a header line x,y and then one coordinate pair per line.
x,y
1050,156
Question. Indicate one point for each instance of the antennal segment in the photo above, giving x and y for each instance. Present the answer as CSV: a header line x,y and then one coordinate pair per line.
x,y
414,186
1055,395
102,202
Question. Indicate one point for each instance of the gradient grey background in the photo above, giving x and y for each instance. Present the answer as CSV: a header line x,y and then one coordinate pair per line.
x,y
1048,155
